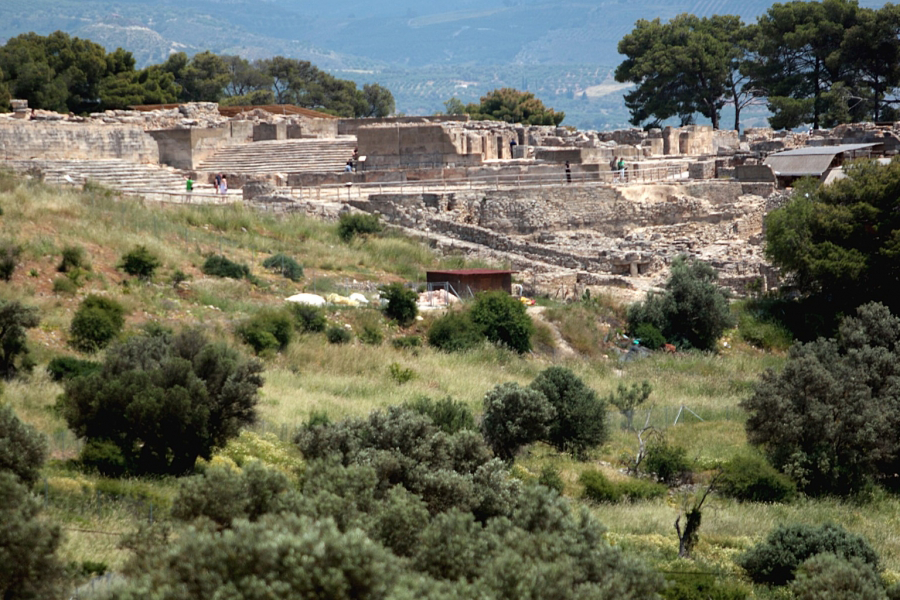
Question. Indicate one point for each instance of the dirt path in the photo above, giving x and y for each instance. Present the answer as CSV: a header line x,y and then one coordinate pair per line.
x,y
563,348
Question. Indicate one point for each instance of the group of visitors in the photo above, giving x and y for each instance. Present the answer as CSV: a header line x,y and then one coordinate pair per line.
x,y
221,184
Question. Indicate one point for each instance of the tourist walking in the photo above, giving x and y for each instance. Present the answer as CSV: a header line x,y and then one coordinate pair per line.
x,y
223,186
218,182
621,167
568,173
614,168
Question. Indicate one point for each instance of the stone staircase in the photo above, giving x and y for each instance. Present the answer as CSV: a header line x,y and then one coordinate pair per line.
x,y
154,182
287,156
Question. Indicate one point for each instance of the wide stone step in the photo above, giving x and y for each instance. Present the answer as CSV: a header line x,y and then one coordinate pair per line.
x,y
291,156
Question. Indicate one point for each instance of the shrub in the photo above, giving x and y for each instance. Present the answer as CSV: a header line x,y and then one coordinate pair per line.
x,y
335,334
775,560
96,323
650,336
693,312
503,320
752,478
179,277
406,341
698,586
160,401
267,330
641,489
454,332
66,367
223,494
73,257
829,418
284,265
65,285
140,262
15,319
9,259
580,421
219,266
369,323
103,456
308,318
828,577
447,414
28,545
515,416
401,374
401,303
598,488
22,449
353,224
669,463
762,333
551,478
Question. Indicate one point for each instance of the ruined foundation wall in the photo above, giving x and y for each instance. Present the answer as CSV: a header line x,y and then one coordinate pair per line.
x,y
26,140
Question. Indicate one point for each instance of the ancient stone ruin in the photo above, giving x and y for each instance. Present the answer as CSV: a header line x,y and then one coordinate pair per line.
x,y
544,200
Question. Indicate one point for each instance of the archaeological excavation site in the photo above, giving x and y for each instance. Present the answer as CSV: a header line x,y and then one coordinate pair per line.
x,y
551,204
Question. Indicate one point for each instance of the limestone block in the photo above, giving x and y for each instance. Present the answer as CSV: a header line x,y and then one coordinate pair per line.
x,y
705,169
253,189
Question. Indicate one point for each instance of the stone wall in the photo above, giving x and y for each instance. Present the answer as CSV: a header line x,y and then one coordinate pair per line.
x,y
59,140
411,146
351,126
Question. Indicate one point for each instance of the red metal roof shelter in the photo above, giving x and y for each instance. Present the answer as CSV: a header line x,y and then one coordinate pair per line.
x,y
468,282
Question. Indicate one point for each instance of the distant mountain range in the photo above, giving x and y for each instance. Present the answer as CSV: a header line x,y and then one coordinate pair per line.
x,y
425,51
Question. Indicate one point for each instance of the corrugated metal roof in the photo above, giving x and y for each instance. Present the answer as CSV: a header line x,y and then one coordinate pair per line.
x,y
832,150
811,161
799,166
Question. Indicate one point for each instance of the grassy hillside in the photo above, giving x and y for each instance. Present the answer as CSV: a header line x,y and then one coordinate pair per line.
x,y
312,376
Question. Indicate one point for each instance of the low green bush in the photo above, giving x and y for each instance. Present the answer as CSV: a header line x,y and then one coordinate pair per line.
x,y
351,225
454,332
9,258
220,266
336,334
650,336
551,478
598,487
140,262
447,414
407,341
763,333
400,303
401,374
64,285
267,330
775,560
284,265
73,257
308,318
96,323
667,462
66,367
699,586
641,489
503,320
751,478
103,456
